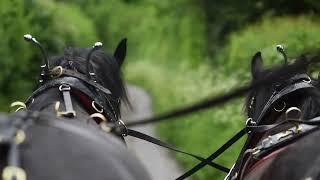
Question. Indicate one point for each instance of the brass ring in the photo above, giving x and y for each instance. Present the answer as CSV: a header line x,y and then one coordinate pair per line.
x,y
105,127
98,115
93,104
56,71
19,109
18,103
13,172
281,109
291,109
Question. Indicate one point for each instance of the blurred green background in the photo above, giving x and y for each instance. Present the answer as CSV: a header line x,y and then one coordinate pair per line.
x,y
180,51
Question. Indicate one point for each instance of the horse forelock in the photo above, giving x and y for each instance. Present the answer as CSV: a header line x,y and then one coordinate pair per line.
x,y
104,64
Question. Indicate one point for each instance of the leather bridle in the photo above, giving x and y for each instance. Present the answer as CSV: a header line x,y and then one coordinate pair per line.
x,y
91,93
297,83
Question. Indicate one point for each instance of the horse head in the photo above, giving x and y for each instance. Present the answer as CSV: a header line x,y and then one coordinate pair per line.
x,y
278,114
89,80
66,120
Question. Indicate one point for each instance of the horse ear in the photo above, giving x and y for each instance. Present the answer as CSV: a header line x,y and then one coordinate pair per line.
x,y
256,64
121,51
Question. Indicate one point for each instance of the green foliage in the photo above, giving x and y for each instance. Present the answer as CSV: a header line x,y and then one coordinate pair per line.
x,y
176,86
225,17
66,25
57,26
203,132
14,52
298,35
161,31
166,53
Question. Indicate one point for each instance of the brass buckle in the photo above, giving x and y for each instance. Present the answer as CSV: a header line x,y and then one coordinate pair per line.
x,y
13,172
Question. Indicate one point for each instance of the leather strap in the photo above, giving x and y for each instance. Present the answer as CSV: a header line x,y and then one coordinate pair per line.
x,y
158,142
57,72
65,90
73,82
214,155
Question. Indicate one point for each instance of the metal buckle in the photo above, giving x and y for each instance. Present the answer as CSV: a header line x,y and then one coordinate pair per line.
x,y
13,172
64,87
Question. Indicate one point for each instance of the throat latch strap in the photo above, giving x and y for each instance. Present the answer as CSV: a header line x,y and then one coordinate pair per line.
x,y
65,89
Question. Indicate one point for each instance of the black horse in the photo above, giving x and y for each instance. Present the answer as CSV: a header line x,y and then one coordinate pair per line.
x,y
282,126
57,137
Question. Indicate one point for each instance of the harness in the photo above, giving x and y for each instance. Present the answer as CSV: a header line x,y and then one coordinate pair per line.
x,y
94,96
250,156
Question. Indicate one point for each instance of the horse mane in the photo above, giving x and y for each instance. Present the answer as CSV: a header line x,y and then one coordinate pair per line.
x,y
105,67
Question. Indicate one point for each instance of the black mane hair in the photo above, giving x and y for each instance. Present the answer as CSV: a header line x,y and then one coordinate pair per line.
x,y
105,66
307,100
